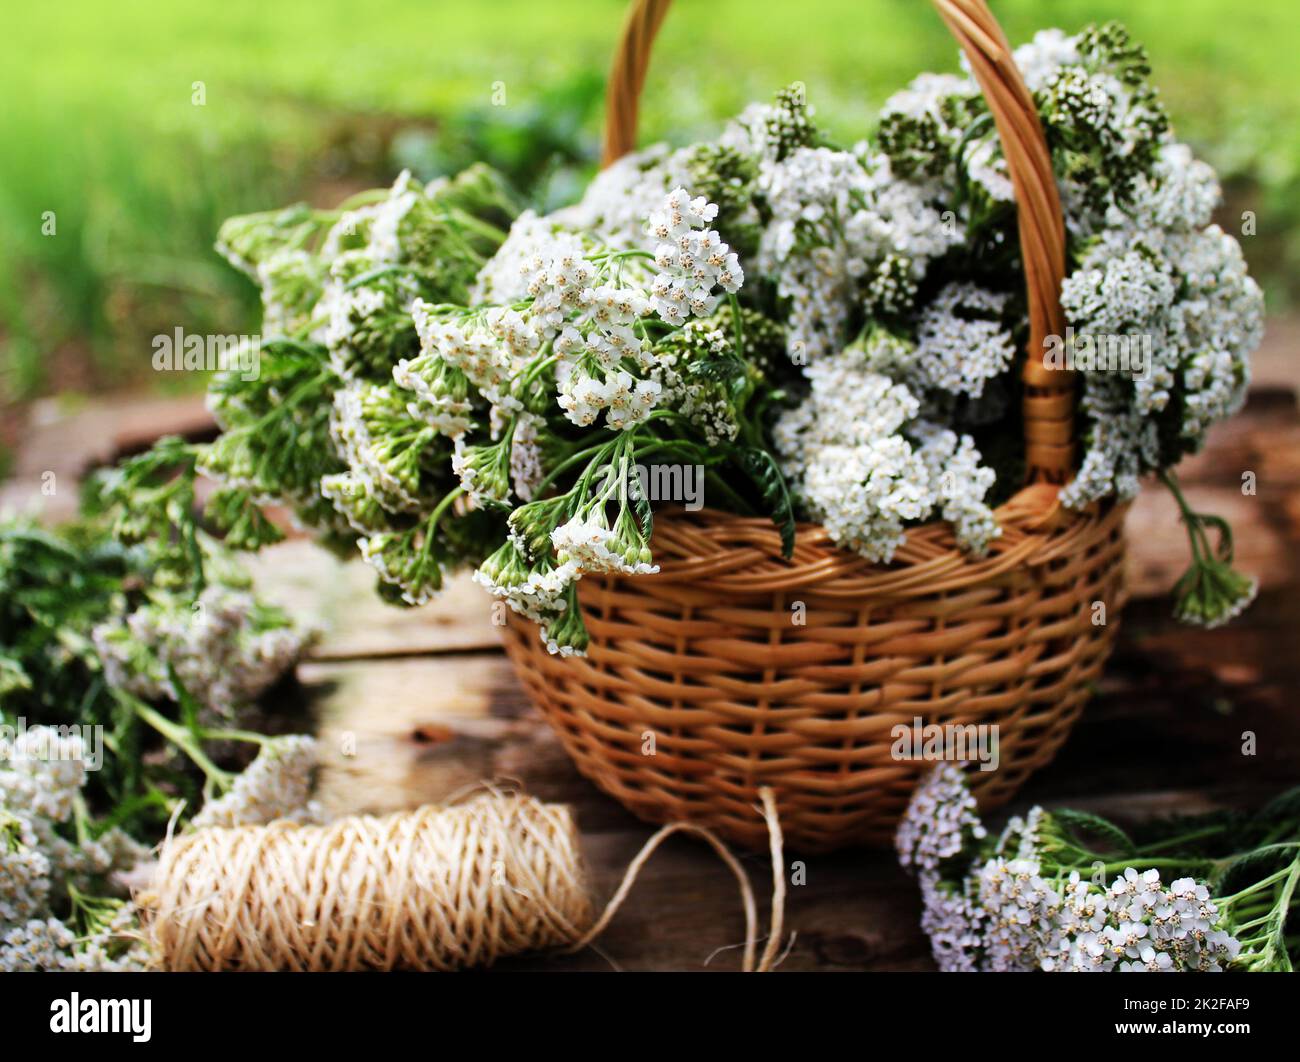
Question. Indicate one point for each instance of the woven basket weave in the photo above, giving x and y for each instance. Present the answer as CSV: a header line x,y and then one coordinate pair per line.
x,y
707,656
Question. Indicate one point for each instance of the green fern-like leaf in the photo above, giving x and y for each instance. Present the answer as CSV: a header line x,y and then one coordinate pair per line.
x,y
1081,825
1283,807
760,466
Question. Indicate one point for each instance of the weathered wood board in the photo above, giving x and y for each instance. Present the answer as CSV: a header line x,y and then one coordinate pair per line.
x,y
339,598
413,706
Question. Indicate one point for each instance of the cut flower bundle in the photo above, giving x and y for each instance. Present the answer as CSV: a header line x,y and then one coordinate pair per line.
x,y
132,655
828,333
1069,890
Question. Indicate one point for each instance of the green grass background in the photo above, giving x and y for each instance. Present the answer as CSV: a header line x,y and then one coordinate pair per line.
x,y
310,99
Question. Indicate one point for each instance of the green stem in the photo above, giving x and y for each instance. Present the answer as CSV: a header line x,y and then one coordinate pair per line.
x,y
1200,544
536,369
568,463
1168,842
370,195
477,225
436,516
738,324
181,738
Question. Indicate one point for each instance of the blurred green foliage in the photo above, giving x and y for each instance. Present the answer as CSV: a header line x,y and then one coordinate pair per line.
x,y
101,130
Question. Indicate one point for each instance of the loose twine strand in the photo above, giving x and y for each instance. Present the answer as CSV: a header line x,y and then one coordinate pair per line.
x,y
437,888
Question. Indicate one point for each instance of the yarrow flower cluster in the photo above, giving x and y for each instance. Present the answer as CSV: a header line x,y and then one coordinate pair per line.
x,y
846,238
1147,263
962,342
1038,897
133,659
223,649
62,890
277,785
941,820
828,332
1133,925
46,920
692,259
867,466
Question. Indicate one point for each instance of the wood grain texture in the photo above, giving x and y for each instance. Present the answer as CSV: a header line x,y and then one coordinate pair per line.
x,y
430,704
338,596
1163,735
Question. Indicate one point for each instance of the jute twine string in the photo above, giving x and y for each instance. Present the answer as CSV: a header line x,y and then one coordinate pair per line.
x,y
437,888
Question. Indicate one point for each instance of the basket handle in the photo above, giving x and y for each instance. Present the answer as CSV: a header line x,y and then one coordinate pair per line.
x,y
1049,395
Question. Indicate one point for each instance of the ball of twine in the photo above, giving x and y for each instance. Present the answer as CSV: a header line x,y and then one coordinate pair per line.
x,y
437,888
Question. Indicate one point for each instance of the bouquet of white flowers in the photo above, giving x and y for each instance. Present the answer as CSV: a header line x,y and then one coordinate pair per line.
x,y
1069,890
130,674
828,332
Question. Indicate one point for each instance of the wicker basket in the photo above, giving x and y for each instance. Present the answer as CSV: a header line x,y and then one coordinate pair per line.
x,y
706,655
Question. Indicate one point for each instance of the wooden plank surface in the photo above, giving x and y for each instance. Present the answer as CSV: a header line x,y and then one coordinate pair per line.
x,y
339,598
1164,735
415,705
405,731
